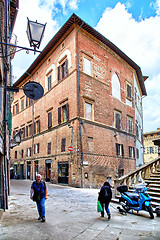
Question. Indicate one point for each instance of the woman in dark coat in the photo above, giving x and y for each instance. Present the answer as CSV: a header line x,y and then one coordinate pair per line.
x,y
104,197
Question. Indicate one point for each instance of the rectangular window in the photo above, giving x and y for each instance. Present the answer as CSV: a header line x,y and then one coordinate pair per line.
x,y
137,153
62,70
128,91
29,152
63,113
119,149
131,152
30,130
26,131
88,111
151,149
87,66
22,104
22,153
23,132
36,148
63,144
137,130
49,120
49,82
49,148
156,149
129,125
16,108
117,120
15,154
38,126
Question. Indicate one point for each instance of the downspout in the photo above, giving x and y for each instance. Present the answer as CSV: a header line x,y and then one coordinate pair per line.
x,y
80,131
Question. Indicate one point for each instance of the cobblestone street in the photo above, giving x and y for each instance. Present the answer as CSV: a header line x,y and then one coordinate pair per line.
x,y
70,214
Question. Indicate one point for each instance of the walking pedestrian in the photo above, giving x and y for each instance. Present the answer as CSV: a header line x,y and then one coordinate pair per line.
x,y
38,193
105,196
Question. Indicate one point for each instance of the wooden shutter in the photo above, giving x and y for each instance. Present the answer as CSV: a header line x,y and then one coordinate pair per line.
x,y
117,148
122,148
26,131
59,73
63,144
49,148
59,115
133,152
118,120
67,110
13,109
34,128
17,107
38,147
128,91
38,127
66,68
49,120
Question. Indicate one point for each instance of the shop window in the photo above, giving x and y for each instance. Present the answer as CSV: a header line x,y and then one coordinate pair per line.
x,y
63,113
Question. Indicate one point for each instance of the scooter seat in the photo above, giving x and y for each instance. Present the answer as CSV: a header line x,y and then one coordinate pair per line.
x,y
131,196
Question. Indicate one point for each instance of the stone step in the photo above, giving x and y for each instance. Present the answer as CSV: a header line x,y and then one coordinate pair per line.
x,y
155,194
152,181
155,175
154,185
153,178
154,189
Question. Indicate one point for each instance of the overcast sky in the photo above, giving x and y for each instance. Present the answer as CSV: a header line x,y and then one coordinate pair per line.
x,y
133,26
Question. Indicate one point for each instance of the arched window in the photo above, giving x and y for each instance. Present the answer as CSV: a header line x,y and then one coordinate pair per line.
x,y
116,86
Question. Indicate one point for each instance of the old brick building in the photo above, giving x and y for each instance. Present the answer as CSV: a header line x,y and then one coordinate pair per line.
x,y
88,101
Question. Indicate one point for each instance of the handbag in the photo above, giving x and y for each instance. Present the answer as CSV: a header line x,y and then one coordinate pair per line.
x,y
99,207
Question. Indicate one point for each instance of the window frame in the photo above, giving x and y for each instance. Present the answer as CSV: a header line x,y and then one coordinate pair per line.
x,y
130,125
90,67
117,122
61,113
62,69
128,91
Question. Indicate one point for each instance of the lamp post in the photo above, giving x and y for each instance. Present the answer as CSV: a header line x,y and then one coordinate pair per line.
x,y
35,33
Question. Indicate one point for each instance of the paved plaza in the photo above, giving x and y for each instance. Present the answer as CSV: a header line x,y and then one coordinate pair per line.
x,y
70,214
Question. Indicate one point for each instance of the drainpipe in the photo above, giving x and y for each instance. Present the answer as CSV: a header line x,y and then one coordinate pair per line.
x,y
80,131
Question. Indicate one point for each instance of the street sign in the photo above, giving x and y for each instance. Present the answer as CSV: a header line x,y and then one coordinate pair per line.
x,y
70,148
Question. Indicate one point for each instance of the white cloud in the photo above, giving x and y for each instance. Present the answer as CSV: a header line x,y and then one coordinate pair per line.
x,y
141,42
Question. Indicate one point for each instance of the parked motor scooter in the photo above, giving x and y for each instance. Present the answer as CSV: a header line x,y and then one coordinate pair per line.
x,y
140,200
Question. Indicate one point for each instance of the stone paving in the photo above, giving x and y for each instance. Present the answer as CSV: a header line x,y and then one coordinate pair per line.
x,y
71,214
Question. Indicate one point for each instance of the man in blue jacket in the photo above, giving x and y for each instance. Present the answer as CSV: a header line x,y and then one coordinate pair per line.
x,y
38,194
105,196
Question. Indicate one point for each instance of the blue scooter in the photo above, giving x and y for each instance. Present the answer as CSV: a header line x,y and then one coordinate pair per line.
x,y
139,201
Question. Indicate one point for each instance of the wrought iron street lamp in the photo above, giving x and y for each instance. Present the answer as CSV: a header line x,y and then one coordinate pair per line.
x,y
35,33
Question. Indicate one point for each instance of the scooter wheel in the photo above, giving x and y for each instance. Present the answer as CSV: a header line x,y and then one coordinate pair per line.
x,y
150,210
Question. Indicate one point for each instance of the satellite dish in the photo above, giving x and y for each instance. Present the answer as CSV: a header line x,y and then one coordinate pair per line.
x,y
33,90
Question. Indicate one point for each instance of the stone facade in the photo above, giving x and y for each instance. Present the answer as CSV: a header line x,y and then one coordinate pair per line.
x,y
151,151
84,105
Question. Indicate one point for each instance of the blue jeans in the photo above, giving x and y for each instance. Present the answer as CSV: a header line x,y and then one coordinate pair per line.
x,y
41,207
106,205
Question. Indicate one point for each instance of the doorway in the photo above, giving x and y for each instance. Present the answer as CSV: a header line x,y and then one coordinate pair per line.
x,y
63,168
48,170
35,169
21,171
28,169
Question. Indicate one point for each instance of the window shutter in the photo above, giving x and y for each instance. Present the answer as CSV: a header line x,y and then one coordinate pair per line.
x,y
133,152
17,107
59,73
49,120
63,143
26,131
122,150
37,147
34,148
129,151
67,108
117,148
38,128
26,101
66,68
118,121
34,128
13,109
59,115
